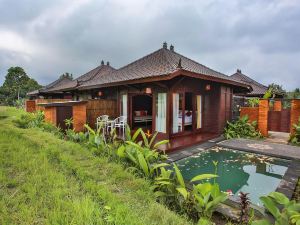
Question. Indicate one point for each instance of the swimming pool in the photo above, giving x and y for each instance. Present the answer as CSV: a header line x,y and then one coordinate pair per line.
x,y
238,171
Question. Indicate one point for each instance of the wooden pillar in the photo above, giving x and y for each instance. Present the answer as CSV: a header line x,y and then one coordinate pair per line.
x,y
50,115
79,116
295,113
277,105
263,110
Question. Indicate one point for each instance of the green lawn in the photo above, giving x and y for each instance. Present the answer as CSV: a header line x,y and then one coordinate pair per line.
x,y
45,180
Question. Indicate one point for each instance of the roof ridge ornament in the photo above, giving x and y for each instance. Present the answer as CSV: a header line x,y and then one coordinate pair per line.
x,y
172,48
165,45
179,66
102,62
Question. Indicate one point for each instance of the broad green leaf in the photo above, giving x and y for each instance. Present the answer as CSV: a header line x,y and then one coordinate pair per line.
x,y
136,134
133,144
203,189
203,177
159,194
143,164
179,176
145,139
121,151
132,158
153,138
279,198
270,206
183,192
160,143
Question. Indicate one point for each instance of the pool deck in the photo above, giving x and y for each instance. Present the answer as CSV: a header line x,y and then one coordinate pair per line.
x,y
186,152
263,147
288,182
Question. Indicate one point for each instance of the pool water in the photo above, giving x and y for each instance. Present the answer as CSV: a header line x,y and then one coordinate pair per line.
x,y
238,171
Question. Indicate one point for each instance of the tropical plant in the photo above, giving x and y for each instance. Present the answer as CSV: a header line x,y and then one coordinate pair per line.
x,y
244,208
268,94
202,200
281,208
143,154
69,122
29,120
253,102
295,136
208,196
242,128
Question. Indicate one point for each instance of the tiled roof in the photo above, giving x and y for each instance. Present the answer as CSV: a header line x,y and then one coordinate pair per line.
x,y
159,63
258,88
94,74
52,86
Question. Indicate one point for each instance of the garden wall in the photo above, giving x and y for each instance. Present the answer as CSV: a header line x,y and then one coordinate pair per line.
x,y
251,112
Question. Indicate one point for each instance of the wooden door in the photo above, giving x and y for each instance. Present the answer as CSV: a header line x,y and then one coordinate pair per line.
x,y
62,113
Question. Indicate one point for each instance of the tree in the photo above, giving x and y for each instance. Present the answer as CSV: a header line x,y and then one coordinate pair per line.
x,y
17,83
67,75
276,90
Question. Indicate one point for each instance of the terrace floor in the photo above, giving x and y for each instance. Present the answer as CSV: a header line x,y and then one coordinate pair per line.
x,y
182,142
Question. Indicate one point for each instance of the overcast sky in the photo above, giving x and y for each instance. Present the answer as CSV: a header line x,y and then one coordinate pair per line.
x,y
48,38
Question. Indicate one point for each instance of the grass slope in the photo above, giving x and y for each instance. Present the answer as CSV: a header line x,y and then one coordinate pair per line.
x,y
44,180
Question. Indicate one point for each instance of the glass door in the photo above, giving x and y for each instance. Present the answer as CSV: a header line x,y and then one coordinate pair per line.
x,y
178,117
161,112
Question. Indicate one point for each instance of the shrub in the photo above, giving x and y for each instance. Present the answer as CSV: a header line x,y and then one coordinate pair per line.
x,y
295,137
281,208
29,120
242,128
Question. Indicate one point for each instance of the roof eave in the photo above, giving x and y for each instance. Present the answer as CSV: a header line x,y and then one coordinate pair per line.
x,y
169,76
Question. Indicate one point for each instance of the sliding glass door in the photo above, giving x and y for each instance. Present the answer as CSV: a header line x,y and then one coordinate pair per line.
x,y
186,112
161,112
177,99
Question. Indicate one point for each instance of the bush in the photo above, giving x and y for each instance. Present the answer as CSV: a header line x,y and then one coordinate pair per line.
x,y
242,128
29,120
295,137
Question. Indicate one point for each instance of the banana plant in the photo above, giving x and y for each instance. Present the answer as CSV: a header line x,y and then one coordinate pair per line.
x,y
281,208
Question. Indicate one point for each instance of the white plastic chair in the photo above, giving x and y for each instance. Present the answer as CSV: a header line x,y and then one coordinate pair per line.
x,y
120,123
102,120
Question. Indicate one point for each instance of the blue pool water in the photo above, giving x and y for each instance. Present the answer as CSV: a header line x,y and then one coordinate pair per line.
x,y
238,171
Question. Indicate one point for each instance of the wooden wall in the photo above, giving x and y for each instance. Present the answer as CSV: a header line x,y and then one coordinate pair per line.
x,y
41,100
96,108
79,116
30,106
50,115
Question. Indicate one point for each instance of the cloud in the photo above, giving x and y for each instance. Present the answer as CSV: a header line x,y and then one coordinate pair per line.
x,y
49,38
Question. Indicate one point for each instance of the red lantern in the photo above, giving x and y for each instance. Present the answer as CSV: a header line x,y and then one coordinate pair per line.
x,y
148,91
207,87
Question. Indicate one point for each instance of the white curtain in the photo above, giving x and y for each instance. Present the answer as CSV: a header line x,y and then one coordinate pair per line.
x,y
161,112
199,111
124,105
175,112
